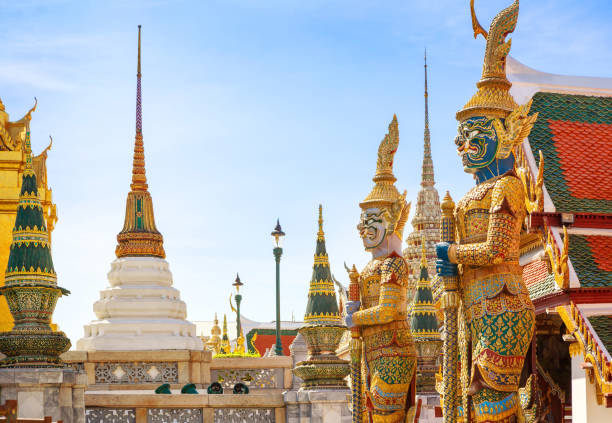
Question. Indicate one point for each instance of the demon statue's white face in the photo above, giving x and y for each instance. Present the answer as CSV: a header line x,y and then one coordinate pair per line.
x,y
372,228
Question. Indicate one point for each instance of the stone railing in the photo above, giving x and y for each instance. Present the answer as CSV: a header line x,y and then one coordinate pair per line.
x,y
120,387
188,408
256,373
111,370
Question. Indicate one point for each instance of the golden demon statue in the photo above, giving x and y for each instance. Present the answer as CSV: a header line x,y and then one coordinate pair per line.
x,y
383,381
496,313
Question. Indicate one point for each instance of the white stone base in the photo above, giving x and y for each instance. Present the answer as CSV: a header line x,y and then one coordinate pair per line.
x,y
428,408
584,396
318,406
140,311
58,393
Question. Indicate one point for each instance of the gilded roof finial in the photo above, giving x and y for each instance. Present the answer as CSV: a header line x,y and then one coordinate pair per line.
x,y
139,236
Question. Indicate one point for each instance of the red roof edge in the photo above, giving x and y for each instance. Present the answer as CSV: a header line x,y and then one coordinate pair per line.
x,y
593,295
572,220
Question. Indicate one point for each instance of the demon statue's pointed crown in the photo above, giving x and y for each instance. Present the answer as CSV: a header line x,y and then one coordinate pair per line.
x,y
491,123
385,196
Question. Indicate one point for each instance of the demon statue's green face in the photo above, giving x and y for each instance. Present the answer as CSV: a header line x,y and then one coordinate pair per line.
x,y
477,143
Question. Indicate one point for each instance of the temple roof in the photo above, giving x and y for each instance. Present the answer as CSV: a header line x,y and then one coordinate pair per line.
x,y
574,133
603,328
591,256
322,307
30,261
424,322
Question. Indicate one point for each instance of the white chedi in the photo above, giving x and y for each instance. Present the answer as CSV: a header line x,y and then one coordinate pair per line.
x,y
140,311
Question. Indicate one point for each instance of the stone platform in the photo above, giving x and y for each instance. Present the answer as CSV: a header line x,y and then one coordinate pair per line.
x,y
40,392
320,406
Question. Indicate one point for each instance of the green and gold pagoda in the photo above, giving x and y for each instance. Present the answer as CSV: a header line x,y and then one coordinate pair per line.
x,y
30,287
424,325
323,327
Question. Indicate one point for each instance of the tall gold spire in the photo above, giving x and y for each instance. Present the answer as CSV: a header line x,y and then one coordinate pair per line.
x,y
139,236
139,177
321,234
423,252
427,174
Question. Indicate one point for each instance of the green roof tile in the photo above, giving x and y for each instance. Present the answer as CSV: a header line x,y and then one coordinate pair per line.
x,y
569,108
588,271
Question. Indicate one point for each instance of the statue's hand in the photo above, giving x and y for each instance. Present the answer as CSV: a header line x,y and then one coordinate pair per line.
x,y
349,321
442,250
351,307
445,268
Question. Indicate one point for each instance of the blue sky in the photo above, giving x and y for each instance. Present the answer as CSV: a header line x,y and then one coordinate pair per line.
x,y
252,110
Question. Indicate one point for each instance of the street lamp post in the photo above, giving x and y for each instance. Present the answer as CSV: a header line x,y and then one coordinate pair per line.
x,y
238,298
277,237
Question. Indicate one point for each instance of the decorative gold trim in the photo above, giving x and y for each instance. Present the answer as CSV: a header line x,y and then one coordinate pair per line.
x,y
588,343
558,259
534,194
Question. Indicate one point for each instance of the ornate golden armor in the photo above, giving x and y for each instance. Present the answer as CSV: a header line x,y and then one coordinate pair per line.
x,y
386,357
390,357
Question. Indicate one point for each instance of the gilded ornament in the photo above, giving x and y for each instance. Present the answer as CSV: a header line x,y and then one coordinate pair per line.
x,y
383,357
494,320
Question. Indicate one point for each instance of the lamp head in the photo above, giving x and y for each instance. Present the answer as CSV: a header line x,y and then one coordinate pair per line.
x,y
278,235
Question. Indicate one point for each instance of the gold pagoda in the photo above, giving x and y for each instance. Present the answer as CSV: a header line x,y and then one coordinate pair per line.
x,y
12,166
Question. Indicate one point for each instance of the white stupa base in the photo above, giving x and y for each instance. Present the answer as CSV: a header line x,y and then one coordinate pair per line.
x,y
140,311
143,335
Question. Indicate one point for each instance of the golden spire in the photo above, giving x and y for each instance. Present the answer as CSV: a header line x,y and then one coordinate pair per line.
x,y
139,236
423,252
321,234
139,177
493,98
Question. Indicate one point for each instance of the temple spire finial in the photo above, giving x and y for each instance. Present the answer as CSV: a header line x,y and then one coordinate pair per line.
x,y
139,176
138,73
321,234
423,253
427,175
139,236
